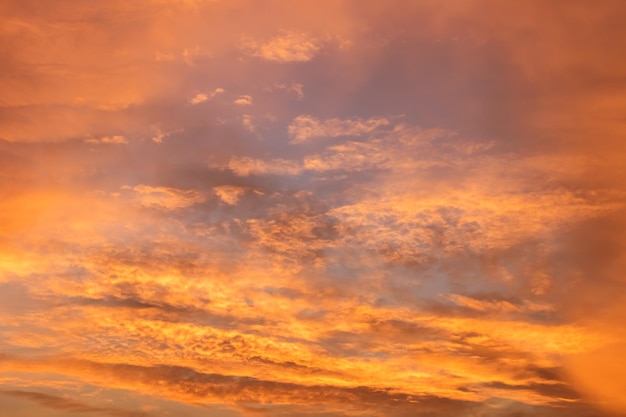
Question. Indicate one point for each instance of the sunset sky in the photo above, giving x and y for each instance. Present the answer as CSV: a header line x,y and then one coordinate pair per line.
x,y
318,208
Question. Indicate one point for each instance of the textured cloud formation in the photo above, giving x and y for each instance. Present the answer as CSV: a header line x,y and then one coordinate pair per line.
x,y
163,197
305,127
408,209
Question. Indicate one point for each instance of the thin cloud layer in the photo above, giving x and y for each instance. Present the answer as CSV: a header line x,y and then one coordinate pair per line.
x,y
413,209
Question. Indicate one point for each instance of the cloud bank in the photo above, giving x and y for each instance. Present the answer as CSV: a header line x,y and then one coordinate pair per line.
x,y
413,209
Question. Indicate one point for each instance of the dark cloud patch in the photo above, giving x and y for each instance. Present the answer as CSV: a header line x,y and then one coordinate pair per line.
x,y
291,365
253,390
553,374
593,251
114,302
289,293
170,313
557,391
16,298
373,343
399,331
501,407
345,344
69,405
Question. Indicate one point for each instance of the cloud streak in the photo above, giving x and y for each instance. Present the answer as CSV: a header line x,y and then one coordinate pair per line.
x,y
63,404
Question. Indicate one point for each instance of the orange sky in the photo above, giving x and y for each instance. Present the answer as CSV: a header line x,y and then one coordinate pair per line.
x,y
340,208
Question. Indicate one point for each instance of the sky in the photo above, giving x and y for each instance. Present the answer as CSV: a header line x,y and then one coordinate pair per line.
x,y
318,208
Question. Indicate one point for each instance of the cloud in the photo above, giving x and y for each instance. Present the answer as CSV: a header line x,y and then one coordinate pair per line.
x,y
287,47
117,139
199,98
248,123
68,405
305,127
243,101
202,97
497,305
245,166
296,88
188,385
456,195
165,197
191,55
229,194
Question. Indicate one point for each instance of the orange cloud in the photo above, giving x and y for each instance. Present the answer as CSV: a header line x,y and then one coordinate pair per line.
x,y
243,101
117,139
433,229
202,97
287,47
168,198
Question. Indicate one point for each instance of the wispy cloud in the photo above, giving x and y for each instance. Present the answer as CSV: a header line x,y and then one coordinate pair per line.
x,y
296,88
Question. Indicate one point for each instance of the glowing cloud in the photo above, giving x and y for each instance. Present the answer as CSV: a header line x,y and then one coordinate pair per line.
x,y
165,197
386,209
243,101
117,139
288,47
229,194
202,97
